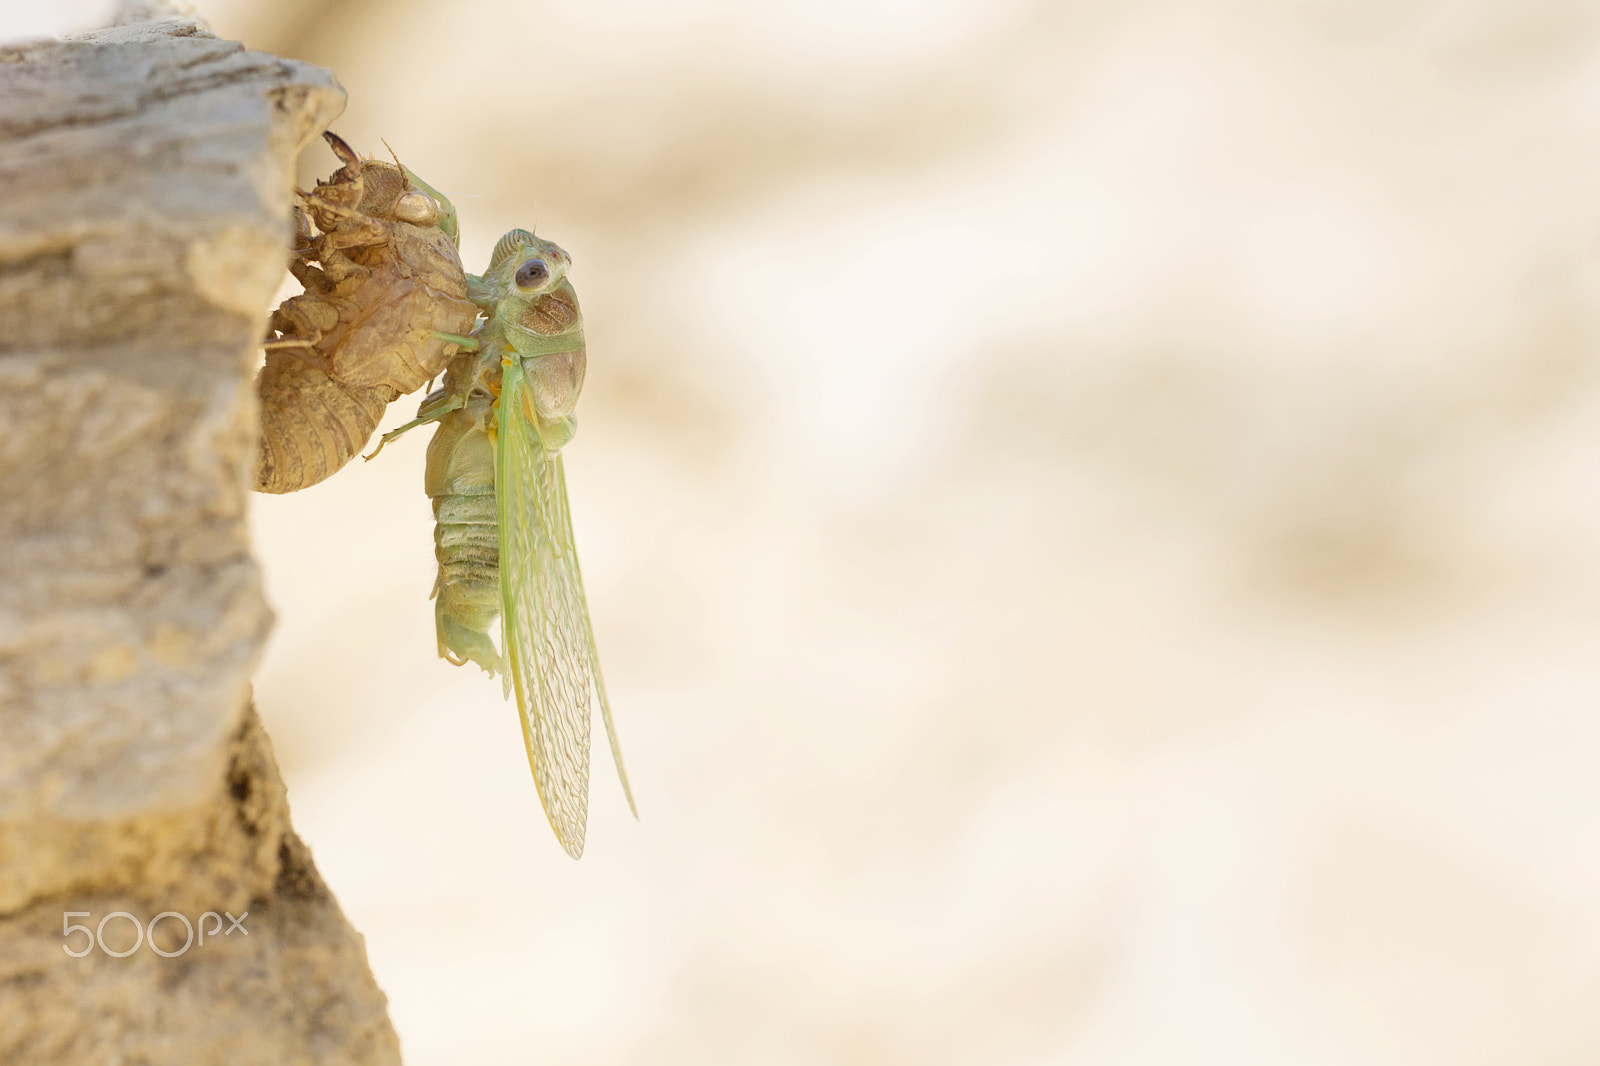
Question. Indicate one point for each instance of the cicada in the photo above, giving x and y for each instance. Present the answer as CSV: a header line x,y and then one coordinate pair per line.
x,y
503,531
383,284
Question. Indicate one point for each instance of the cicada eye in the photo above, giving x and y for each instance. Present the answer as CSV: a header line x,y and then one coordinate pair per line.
x,y
532,274
418,208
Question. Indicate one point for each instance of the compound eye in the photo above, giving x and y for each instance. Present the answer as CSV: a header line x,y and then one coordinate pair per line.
x,y
417,208
532,274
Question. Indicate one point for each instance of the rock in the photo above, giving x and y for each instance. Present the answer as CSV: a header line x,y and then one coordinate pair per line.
x,y
145,180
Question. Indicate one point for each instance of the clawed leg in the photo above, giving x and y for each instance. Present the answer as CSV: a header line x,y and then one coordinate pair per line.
x,y
292,343
342,149
360,230
315,279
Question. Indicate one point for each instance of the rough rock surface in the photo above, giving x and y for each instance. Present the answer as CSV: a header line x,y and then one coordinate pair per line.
x,y
145,177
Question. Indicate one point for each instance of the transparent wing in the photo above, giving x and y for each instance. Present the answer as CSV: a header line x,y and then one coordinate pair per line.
x,y
547,639
594,655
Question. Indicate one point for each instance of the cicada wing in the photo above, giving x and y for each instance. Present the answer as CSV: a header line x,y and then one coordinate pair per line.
x,y
545,621
594,654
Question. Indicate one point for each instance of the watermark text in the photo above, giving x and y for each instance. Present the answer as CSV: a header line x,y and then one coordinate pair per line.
x,y
145,934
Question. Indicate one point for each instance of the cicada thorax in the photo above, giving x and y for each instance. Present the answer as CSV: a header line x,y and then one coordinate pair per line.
x,y
554,313
553,372
383,278
460,479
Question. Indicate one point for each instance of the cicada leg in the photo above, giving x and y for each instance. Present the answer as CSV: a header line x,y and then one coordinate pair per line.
x,y
330,202
466,344
313,278
435,407
358,231
342,149
293,342
479,292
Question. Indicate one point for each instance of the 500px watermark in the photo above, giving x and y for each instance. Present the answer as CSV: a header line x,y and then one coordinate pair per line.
x,y
68,927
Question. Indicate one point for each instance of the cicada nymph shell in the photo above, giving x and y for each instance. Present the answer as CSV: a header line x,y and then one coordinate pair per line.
x,y
376,251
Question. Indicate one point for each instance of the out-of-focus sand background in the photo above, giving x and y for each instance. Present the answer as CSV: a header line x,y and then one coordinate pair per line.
x,y
1092,517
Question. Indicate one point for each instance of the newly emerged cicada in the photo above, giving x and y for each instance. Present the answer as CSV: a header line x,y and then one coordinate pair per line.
x,y
383,281
503,533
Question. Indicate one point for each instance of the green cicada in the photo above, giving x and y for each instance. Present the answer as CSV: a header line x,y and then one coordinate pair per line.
x,y
503,532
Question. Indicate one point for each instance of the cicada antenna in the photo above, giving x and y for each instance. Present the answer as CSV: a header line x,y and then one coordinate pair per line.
x,y
404,177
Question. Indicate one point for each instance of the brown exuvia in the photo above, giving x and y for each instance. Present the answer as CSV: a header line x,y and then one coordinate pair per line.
x,y
376,252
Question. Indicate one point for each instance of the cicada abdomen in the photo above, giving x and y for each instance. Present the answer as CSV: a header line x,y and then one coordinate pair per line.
x,y
383,281
459,479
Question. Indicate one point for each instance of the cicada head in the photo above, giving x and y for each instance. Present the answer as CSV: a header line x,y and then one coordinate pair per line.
x,y
383,185
524,270
390,191
528,264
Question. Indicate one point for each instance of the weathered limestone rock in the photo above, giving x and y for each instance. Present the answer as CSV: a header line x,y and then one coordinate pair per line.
x,y
145,175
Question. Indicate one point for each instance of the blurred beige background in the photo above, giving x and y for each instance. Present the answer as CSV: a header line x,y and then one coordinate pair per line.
x,y
1092,515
